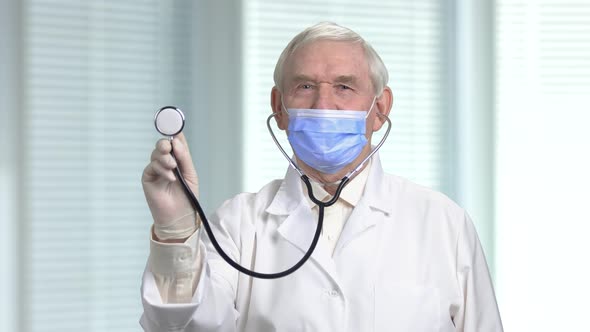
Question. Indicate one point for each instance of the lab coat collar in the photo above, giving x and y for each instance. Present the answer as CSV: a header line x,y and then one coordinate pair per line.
x,y
300,225
351,194
290,193
377,194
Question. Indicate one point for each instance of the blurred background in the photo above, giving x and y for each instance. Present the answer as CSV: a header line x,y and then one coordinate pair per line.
x,y
491,104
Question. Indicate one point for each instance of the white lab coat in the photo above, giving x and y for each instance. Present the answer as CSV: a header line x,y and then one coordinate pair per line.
x,y
408,259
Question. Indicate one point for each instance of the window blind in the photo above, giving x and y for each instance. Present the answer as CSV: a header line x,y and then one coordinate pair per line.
x,y
9,189
95,72
542,162
411,39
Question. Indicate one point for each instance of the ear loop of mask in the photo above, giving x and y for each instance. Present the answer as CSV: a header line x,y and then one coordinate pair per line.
x,y
371,108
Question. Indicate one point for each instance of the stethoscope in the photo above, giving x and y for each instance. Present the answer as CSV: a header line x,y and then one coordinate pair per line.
x,y
169,121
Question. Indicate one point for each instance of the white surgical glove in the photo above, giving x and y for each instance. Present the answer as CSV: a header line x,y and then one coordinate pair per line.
x,y
174,216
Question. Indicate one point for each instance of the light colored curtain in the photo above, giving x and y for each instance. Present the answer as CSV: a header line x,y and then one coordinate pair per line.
x,y
543,163
95,72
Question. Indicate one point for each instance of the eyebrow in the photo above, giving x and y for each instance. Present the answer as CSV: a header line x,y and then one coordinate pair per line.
x,y
339,79
301,78
346,79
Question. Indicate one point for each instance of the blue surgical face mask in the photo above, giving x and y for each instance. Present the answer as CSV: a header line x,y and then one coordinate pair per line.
x,y
327,140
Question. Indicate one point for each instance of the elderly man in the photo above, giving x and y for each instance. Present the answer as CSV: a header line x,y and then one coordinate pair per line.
x,y
393,256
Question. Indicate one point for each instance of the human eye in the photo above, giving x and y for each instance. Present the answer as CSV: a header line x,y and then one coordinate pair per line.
x,y
343,87
305,86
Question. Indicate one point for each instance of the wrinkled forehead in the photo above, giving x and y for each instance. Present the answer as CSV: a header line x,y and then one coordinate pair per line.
x,y
326,59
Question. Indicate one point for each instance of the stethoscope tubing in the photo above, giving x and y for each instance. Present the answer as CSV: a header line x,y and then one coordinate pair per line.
x,y
321,206
195,202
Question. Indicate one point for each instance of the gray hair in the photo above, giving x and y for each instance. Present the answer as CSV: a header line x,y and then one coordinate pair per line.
x,y
332,31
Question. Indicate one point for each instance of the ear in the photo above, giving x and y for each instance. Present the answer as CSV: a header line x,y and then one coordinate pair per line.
x,y
277,107
382,105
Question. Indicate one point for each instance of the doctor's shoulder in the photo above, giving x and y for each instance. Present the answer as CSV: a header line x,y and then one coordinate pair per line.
x,y
425,204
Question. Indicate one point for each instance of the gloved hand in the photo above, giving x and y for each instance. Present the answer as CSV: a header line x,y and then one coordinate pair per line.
x,y
174,216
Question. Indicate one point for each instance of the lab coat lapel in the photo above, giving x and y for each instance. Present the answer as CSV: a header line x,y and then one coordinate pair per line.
x,y
374,205
359,221
299,229
299,225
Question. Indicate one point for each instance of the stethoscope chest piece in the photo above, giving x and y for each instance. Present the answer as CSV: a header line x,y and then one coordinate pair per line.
x,y
169,121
